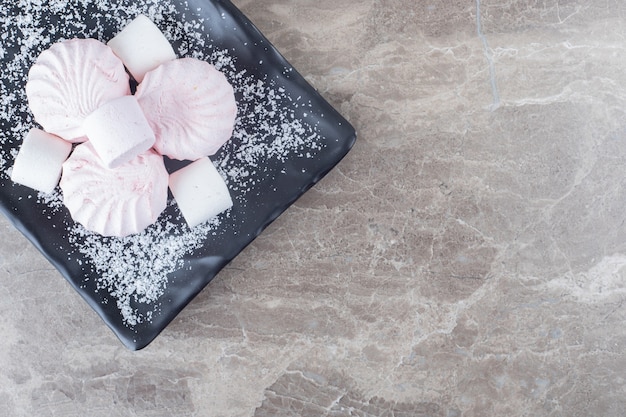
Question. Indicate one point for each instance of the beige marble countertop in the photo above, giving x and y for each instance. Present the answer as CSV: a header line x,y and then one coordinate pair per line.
x,y
467,258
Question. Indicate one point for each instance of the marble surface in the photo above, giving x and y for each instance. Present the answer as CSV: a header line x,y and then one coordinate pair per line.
x,y
467,258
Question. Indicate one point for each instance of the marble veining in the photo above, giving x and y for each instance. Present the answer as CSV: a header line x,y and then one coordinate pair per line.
x,y
467,258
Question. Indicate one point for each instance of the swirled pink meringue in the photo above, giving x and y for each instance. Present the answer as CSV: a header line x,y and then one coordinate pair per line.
x,y
190,106
70,80
114,202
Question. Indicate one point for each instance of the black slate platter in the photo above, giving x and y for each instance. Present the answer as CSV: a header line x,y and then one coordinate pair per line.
x,y
286,114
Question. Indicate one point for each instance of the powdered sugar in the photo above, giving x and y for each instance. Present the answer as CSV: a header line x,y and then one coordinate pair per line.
x,y
134,271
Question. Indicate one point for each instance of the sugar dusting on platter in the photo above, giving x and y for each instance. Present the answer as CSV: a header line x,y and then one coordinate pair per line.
x,y
134,270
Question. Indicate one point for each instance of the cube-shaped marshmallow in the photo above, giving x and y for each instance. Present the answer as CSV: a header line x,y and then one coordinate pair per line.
x,y
119,131
142,47
39,161
199,191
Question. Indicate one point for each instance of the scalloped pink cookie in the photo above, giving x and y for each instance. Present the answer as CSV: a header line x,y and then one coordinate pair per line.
x,y
190,106
114,202
70,80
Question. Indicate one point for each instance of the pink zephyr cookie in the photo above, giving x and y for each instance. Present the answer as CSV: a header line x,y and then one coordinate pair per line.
x,y
114,202
70,80
190,106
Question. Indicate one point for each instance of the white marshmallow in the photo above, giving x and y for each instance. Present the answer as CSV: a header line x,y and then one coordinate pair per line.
x,y
142,47
40,160
199,191
119,131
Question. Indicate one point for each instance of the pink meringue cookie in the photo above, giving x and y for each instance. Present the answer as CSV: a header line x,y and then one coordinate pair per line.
x,y
70,80
114,202
190,106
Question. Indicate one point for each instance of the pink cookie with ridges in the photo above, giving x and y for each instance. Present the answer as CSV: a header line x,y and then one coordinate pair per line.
x,y
114,202
190,106
70,80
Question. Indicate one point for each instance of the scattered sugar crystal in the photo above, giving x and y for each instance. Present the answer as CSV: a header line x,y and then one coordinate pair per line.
x,y
134,270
